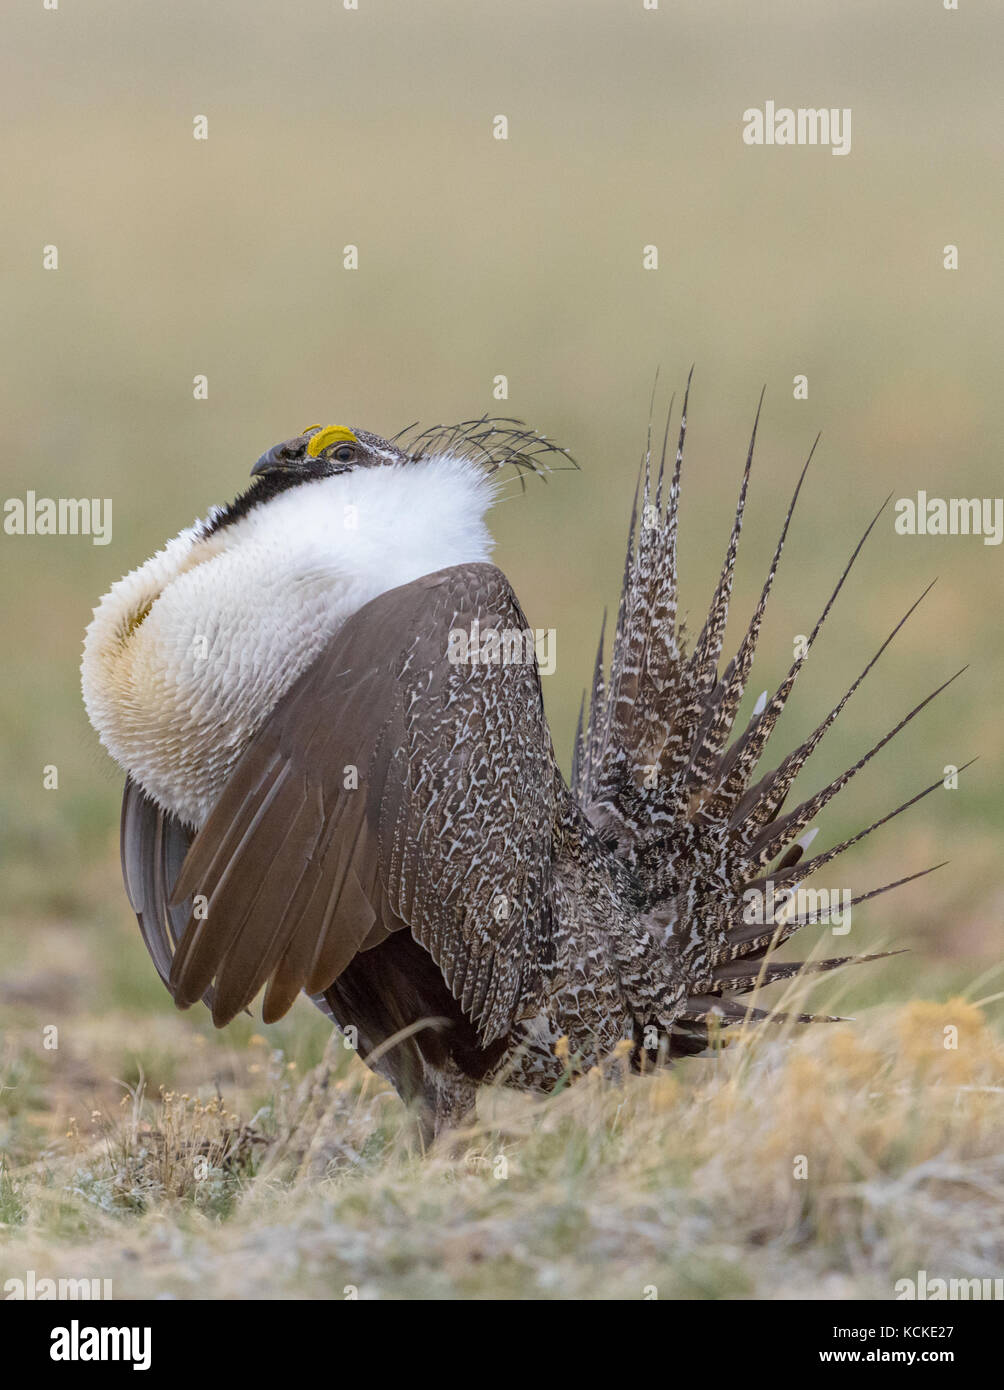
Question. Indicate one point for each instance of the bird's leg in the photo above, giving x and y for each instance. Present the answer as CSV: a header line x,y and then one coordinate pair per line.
x,y
448,1096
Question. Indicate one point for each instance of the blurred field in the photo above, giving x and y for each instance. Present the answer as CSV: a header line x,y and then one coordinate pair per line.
x,y
480,257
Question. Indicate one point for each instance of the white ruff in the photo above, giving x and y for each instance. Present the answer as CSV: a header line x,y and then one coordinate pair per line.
x,y
237,616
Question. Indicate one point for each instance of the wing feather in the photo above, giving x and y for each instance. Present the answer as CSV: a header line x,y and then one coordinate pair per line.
x,y
153,846
446,833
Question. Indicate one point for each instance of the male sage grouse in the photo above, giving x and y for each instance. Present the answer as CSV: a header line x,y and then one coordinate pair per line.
x,y
341,780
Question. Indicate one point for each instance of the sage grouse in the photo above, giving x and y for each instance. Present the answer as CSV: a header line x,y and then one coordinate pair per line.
x,y
326,792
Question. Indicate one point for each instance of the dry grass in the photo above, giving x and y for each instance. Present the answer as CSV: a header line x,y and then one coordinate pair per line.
x,y
683,1181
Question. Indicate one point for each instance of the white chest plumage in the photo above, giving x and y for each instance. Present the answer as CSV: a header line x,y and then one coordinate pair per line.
x,y
188,654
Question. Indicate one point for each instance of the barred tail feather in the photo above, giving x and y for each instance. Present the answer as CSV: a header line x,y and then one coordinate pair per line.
x,y
656,776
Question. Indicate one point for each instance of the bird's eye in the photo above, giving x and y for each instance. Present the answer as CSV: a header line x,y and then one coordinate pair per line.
x,y
344,453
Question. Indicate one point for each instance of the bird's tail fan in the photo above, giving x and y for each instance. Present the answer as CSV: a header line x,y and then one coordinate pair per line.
x,y
675,795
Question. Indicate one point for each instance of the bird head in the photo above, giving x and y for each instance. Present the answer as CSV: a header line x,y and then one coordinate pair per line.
x,y
321,451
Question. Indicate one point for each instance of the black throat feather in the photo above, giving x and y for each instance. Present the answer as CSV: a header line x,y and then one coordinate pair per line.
x,y
263,489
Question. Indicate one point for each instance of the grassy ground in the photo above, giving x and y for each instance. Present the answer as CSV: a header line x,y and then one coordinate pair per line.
x,y
824,1167
142,1146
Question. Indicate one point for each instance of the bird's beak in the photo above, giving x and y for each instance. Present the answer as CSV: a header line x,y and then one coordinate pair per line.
x,y
281,458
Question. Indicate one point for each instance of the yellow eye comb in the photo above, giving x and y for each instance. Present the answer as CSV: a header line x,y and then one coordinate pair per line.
x,y
331,434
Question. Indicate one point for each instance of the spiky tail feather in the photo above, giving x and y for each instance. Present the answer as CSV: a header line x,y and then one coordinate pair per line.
x,y
657,777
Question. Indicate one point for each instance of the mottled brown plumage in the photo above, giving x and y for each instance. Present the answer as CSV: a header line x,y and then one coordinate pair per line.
x,y
397,839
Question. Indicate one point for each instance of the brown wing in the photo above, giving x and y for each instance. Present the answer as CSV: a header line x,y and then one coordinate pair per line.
x,y
390,789
153,846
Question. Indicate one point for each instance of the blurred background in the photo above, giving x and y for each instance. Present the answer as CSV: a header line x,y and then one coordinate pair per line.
x,y
477,258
